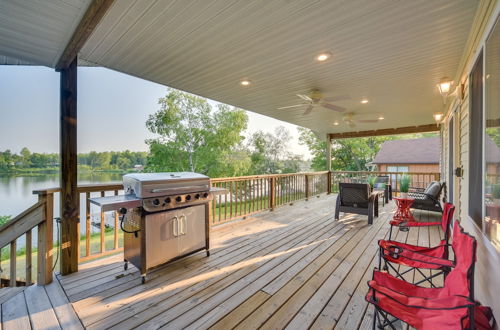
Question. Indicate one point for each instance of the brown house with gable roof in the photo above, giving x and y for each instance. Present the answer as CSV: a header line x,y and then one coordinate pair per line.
x,y
415,155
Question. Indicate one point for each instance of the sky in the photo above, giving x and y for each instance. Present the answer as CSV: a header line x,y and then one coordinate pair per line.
x,y
112,111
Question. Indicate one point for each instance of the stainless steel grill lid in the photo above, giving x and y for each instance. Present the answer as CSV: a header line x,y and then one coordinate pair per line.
x,y
145,185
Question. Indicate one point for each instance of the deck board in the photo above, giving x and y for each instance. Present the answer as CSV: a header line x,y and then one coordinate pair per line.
x,y
295,267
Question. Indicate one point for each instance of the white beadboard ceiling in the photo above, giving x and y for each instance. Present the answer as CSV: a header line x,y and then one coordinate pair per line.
x,y
391,52
36,31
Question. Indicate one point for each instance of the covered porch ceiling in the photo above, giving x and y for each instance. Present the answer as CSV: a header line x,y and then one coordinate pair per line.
x,y
392,53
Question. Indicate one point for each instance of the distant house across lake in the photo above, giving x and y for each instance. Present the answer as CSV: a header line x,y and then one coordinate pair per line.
x,y
415,155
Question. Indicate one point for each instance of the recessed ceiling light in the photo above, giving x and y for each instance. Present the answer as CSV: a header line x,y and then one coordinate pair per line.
x,y
336,123
245,82
381,118
323,56
364,101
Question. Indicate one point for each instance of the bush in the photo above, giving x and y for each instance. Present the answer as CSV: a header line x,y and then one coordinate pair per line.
x,y
4,219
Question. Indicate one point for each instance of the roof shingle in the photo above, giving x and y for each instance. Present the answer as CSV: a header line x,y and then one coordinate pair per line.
x,y
414,151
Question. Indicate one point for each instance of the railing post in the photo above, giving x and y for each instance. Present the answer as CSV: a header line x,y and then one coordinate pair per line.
x,y
45,241
329,182
272,193
306,180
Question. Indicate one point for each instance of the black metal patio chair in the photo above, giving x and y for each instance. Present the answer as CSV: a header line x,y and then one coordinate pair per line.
x,y
427,198
356,198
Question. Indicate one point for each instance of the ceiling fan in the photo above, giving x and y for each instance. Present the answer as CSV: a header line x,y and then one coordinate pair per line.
x,y
352,118
316,98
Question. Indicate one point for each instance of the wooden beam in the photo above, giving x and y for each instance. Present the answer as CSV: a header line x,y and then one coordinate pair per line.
x,y
69,189
386,131
45,241
92,17
328,153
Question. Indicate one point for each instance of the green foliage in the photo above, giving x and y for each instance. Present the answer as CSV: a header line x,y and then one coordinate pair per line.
x,y
269,153
316,146
371,180
4,219
404,183
194,137
352,154
496,191
28,162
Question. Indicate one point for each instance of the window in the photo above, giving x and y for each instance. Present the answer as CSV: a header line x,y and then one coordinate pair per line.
x,y
395,177
451,129
491,221
476,141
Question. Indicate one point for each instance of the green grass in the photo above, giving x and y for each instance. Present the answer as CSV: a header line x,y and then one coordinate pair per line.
x,y
95,247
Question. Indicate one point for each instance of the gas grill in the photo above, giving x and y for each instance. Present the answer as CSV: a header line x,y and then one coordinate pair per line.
x,y
164,217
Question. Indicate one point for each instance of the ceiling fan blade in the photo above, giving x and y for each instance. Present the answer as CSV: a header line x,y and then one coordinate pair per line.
x,y
333,107
336,98
367,120
292,106
304,97
308,110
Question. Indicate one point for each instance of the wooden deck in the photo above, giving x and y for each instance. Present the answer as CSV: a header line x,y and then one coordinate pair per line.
x,y
292,268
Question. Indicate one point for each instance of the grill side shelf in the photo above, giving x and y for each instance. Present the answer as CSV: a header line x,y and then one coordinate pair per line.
x,y
112,203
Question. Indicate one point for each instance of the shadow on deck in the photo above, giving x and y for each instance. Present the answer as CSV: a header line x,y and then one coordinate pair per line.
x,y
295,267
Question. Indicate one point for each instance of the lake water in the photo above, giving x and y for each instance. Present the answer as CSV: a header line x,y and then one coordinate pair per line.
x,y
16,192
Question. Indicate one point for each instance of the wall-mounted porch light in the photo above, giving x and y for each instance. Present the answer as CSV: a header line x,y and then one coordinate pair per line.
x,y
438,117
444,86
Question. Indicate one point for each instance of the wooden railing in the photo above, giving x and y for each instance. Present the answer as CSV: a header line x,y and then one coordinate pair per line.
x,y
250,194
417,179
22,227
108,239
245,195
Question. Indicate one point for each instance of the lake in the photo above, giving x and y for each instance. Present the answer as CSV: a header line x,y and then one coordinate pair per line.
x,y
16,192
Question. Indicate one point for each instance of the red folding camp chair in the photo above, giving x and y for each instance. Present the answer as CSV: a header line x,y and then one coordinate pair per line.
x,y
405,225
418,257
449,307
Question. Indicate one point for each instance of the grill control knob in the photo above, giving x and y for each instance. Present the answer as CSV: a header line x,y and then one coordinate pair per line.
x,y
167,200
188,197
197,196
156,202
178,198
205,195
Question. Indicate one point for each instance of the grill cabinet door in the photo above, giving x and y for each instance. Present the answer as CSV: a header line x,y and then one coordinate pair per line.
x,y
162,239
192,228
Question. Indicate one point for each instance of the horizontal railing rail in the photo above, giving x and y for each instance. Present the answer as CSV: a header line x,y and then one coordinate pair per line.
x,y
38,259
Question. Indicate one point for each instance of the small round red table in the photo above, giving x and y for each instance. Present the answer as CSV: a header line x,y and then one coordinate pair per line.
x,y
403,212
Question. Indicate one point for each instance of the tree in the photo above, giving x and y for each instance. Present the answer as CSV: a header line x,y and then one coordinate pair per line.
x,y
352,154
316,146
124,162
192,136
270,151
25,157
